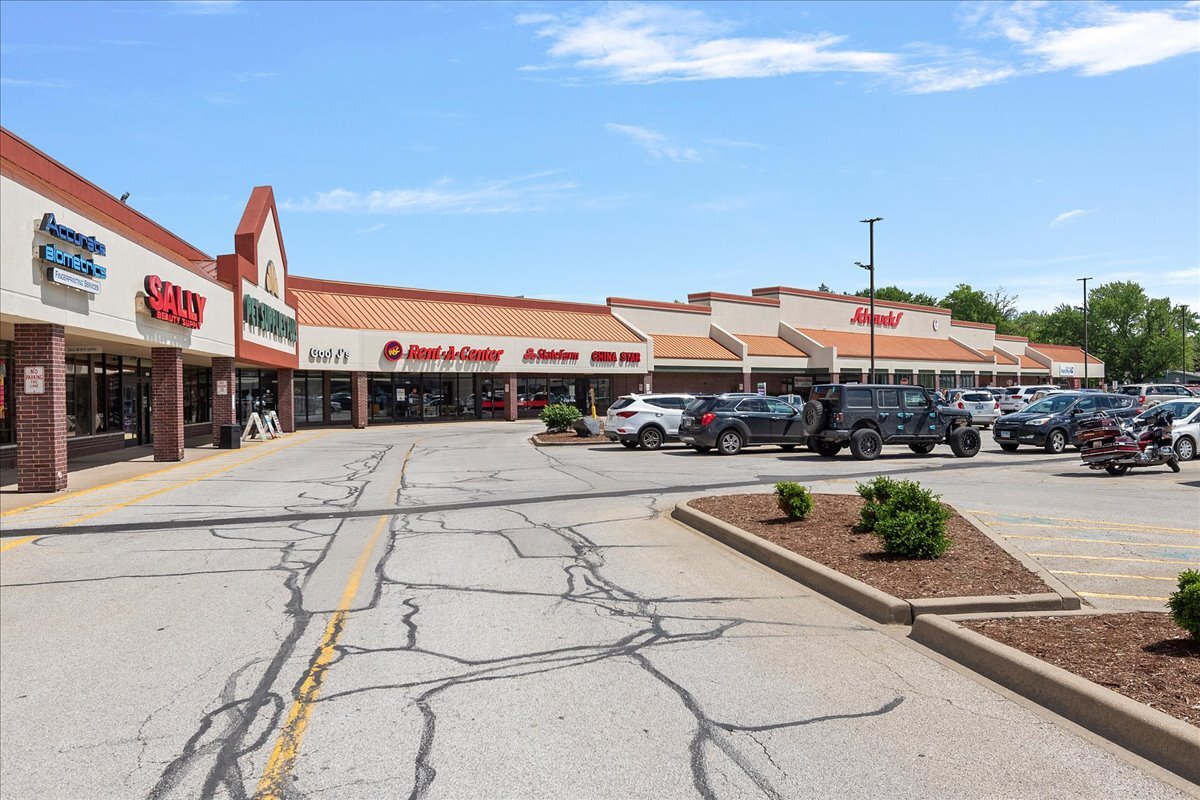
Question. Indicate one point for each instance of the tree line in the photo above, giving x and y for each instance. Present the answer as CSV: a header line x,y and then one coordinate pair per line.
x,y
1138,337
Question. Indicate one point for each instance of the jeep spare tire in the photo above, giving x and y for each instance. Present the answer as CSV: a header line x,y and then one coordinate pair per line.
x,y
965,441
815,416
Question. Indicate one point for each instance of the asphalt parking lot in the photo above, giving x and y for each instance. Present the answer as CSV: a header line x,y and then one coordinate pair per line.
x,y
447,611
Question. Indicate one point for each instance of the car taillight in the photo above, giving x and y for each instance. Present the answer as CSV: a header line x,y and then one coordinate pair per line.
x,y
626,414
839,417
997,405
706,418
1142,400
960,405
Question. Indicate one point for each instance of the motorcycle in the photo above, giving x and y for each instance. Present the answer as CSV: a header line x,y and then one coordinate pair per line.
x,y
1117,447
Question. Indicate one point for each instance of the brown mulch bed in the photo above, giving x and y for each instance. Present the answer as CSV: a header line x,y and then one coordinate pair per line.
x,y
568,437
1143,655
973,565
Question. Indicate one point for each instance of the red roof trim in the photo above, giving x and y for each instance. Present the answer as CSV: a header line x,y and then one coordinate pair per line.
x,y
1007,338
303,284
731,298
962,323
658,305
845,298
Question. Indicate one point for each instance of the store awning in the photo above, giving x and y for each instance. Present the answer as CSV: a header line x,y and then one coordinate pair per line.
x,y
770,346
1063,353
690,347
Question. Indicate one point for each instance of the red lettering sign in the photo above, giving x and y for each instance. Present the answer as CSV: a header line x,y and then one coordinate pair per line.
x,y
174,304
393,350
862,316
549,355
604,357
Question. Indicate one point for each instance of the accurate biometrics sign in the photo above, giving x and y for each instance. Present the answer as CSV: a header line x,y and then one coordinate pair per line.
x,y
78,271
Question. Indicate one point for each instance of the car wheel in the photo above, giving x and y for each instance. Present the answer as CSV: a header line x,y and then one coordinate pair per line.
x,y
699,448
1185,449
965,442
1010,447
1117,469
650,438
1056,441
827,449
628,445
814,416
924,448
730,442
790,447
865,444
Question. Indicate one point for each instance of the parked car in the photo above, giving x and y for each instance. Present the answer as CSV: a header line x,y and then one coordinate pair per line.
x,y
1017,397
984,407
994,391
645,421
730,422
866,417
1052,423
1149,394
1185,430
1042,394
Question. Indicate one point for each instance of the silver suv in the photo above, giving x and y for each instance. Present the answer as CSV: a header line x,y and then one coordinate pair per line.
x,y
1150,394
1017,397
645,420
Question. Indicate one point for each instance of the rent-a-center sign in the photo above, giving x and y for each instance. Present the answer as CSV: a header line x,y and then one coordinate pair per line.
x,y
394,351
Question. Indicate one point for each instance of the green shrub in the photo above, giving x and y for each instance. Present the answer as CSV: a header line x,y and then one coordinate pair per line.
x,y
559,416
1185,603
876,493
911,520
793,499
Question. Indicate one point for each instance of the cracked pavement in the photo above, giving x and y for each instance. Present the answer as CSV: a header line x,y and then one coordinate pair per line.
x,y
529,625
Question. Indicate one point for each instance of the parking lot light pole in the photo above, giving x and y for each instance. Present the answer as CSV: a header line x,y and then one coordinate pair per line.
x,y
1085,341
871,269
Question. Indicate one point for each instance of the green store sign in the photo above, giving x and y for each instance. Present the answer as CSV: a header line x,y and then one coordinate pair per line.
x,y
268,320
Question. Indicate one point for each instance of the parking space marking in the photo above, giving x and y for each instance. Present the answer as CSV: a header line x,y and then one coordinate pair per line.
x,y
1099,524
1166,545
1121,596
16,543
1112,575
1114,558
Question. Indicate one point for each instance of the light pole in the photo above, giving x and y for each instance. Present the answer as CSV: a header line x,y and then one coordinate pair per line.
x,y
871,269
1085,341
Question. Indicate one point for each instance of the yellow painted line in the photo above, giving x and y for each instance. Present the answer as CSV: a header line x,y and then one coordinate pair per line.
x,y
16,543
69,495
1097,522
1112,558
1168,545
1112,575
1120,596
1116,527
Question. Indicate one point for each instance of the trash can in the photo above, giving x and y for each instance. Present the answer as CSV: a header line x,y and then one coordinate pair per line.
x,y
231,437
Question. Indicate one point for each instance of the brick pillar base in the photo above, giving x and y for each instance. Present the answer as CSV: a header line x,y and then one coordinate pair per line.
x,y
166,410
285,406
223,412
358,399
41,420
747,382
510,397
835,377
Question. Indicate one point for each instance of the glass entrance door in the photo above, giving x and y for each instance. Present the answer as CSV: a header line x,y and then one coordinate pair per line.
x,y
145,397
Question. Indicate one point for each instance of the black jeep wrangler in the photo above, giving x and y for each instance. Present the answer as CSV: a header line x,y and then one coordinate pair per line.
x,y
864,417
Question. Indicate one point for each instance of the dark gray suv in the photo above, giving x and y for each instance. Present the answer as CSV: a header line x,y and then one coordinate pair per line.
x,y
864,417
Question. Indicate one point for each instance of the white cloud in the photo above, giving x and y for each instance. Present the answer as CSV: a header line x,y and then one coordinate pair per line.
x,y
34,84
643,43
657,145
1067,216
494,197
208,8
222,98
370,229
735,143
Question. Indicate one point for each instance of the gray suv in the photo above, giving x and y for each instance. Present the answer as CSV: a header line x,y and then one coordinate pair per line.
x,y
864,417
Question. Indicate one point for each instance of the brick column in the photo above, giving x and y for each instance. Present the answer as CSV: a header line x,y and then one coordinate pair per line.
x,y
223,411
510,397
326,407
835,377
285,405
41,419
649,382
166,397
358,399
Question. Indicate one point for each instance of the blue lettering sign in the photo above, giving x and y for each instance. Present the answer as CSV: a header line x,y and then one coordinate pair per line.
x,y
50,226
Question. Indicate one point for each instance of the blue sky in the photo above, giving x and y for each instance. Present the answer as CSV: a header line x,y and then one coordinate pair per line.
x,y
577,151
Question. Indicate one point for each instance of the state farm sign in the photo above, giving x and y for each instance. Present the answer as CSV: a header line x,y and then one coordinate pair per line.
x,y
862,316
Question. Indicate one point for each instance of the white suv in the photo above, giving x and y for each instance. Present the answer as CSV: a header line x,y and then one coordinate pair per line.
x,y
1017,397
645,420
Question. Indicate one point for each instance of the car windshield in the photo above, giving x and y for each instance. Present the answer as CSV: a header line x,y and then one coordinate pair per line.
x,y
1182,409
1052,405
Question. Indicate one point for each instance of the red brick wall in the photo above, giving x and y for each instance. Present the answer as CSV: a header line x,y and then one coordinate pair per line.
x,y
223,411
510,397
285,407
41,419
358,399
696,382
166,418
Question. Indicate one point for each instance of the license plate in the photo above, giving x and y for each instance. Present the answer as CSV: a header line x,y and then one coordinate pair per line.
x,y
1005,434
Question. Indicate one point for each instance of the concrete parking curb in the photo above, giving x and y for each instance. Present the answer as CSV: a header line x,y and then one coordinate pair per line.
x,y
533,440
852,593
1157,737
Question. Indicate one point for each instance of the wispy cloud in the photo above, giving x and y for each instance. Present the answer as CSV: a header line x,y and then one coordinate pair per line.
x,y
18,83
527,193
371,229
734,143
222,98
1067,216
250,77
208,8
657,145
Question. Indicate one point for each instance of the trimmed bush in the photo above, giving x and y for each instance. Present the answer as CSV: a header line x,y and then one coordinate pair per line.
x,y
793,499
1185,603
910,520
559,416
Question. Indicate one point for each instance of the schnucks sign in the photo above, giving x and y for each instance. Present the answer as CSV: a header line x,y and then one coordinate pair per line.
x,y
174,304
862,316
394,351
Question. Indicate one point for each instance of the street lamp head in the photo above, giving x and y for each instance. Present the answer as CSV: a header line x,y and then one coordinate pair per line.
x,y
1085,279
867,267
872,219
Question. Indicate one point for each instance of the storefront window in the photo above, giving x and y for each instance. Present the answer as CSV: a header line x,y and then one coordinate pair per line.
x,y
339,396
6,396
257,392
491,398
927,378
562,390
946,381
407,397
197,403
966,380
852,376
904,377
532,396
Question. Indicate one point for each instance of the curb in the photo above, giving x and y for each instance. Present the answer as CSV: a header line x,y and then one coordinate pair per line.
x,y
1168,742
533,440
852,593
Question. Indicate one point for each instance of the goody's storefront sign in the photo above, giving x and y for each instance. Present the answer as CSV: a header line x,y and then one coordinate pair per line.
x,y
66,267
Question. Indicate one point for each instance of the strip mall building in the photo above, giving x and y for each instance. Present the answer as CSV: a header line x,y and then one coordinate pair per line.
x,y
116,332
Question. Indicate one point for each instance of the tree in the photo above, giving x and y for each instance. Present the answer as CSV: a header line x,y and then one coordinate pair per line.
x,y
974,305
1063,325
823,287
895,294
